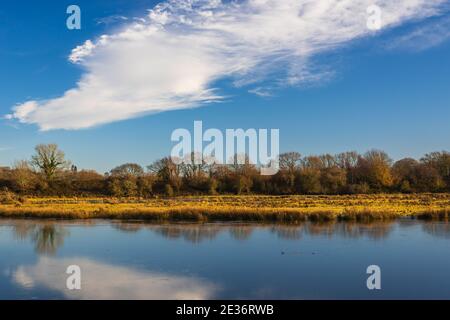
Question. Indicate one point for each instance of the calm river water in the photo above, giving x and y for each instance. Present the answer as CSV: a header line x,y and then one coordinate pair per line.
x,y
137,260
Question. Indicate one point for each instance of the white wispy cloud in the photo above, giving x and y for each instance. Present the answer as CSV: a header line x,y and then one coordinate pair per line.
x,y
172,57
423,37
111,19
261,91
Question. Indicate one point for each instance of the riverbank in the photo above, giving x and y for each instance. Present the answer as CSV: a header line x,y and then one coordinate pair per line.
x,y
288,209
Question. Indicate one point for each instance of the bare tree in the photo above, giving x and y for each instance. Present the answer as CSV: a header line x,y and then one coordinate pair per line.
x,y
347,160
128,169
290,161
167,172
22,175
49,160
192,170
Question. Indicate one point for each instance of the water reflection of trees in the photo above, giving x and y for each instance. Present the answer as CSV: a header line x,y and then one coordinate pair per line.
x,y
47,236
127,227
241,232
373,230
197,233
289,232
437,229
192,233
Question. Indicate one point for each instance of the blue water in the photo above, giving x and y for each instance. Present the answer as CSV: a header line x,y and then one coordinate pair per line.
x,y
224,261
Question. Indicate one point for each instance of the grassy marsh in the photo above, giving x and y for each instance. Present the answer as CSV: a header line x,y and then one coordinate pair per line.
x,y
287,209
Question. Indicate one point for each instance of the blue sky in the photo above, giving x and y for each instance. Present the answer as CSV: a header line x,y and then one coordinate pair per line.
x,y
388,89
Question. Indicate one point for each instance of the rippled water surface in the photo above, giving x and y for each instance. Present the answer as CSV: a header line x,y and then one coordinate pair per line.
x,y
231,261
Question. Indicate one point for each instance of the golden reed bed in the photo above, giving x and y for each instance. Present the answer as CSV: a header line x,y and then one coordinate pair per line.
x,y
236,208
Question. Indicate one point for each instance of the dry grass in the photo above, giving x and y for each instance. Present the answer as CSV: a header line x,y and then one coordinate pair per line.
x,y
237,208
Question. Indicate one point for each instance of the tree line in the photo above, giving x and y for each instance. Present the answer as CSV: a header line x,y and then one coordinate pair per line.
x,y
49,173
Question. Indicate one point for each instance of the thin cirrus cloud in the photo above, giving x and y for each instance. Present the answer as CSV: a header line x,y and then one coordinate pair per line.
x,y
111,19
422,38
172,58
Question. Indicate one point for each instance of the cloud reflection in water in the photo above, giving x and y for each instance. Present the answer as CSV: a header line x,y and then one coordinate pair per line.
x,y
101,281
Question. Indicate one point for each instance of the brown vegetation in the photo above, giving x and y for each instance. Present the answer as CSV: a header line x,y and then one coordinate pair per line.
x,y
48,173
